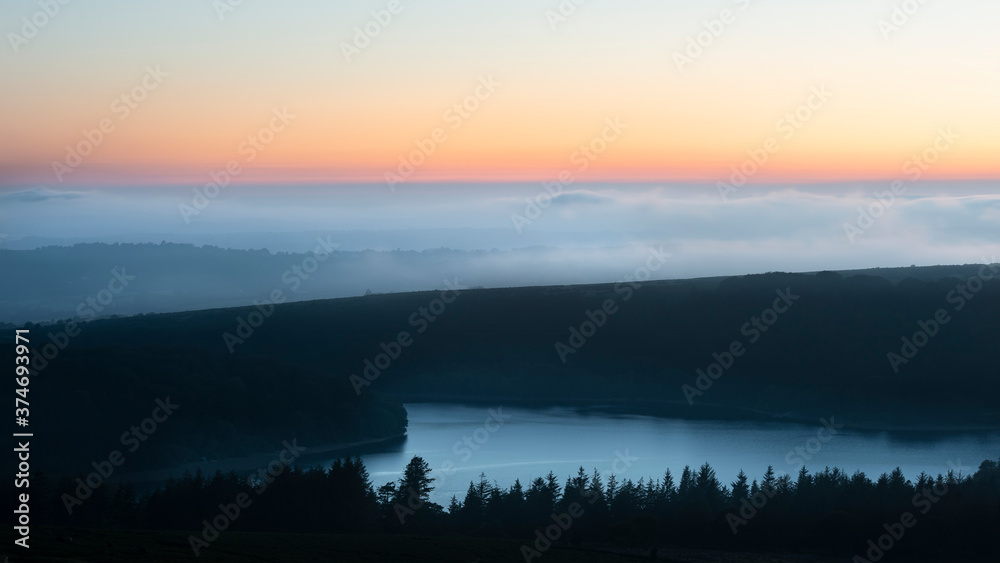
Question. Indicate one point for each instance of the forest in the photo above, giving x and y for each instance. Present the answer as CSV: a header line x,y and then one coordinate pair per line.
x,y
89,402
827,348
827,511
860,346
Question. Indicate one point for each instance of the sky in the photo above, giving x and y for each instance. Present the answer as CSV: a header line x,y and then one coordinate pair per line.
x,y
754,127
691,111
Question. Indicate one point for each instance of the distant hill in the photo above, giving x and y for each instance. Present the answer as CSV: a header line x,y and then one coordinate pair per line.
x,y
838,349
59,282
64,282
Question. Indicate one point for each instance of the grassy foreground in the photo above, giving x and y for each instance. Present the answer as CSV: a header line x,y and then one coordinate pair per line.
x,y
159,546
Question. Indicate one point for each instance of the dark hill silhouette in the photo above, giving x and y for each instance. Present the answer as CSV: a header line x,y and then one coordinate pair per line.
x,y
827,354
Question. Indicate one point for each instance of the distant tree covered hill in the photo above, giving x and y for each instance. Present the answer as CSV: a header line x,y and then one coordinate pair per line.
x,y
59,282
804,346
88,280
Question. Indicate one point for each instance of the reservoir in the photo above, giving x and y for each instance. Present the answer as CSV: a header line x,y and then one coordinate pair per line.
x,y
460,442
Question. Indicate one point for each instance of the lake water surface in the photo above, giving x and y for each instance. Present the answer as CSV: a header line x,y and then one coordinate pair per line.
x,y
460,442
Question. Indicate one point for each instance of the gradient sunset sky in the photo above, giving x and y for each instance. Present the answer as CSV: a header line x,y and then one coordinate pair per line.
x,y
560,78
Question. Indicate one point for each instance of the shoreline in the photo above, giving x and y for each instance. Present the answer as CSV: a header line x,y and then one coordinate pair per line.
x,y
587,407
683,411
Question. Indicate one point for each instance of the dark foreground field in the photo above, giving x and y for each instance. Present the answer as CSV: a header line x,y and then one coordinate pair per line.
x,y
52,544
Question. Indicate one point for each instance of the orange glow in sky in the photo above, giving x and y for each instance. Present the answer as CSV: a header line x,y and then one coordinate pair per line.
x,y
498,92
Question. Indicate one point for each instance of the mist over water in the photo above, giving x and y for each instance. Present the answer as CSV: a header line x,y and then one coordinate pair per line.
x,y
593,232
713,239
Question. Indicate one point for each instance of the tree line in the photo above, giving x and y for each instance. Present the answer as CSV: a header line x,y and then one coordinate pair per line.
x,y
830,510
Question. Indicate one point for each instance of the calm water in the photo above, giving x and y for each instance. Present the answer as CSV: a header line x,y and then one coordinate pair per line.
x,y
530,443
